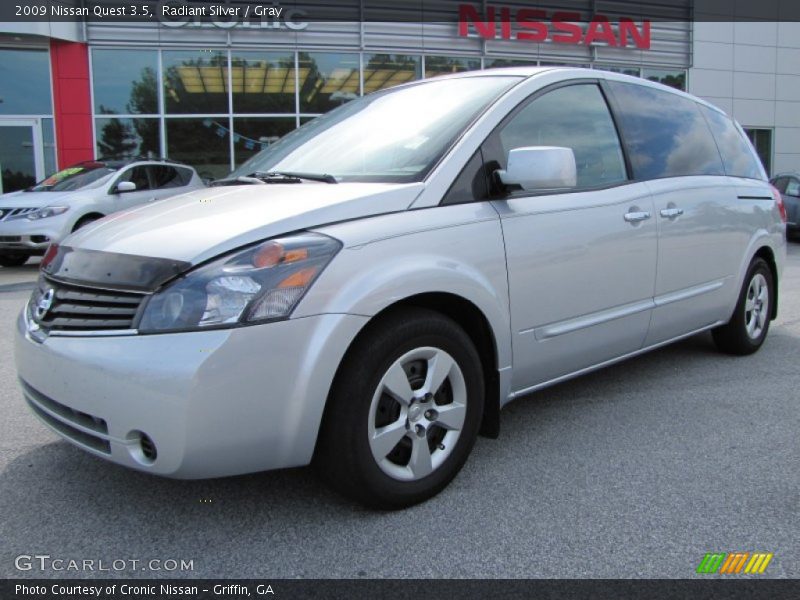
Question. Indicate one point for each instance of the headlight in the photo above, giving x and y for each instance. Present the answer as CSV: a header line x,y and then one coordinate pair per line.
x,y
47,211
260,283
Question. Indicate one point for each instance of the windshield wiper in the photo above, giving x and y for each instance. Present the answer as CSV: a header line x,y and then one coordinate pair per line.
x,y
237,181
290,177
262,177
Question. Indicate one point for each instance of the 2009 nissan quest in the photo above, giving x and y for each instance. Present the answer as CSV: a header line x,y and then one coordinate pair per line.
x,y
369,292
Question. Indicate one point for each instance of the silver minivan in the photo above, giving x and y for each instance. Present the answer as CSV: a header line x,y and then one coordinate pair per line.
x,y
369,292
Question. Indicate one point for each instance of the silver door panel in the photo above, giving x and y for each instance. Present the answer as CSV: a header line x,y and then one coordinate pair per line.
x,y
581,278
703,231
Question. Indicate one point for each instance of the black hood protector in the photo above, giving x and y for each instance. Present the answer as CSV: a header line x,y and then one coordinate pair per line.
x,y
110,270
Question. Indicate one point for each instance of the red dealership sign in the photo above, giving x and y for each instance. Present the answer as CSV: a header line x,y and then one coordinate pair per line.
x,y
561,27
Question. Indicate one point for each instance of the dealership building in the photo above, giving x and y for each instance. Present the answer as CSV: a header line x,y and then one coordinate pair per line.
x,y
213,93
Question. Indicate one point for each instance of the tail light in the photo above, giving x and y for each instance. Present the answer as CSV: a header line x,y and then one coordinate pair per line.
x,y
779,201
52,250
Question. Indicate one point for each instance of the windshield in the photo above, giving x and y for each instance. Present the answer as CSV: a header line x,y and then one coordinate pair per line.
x,y
73,178
394,136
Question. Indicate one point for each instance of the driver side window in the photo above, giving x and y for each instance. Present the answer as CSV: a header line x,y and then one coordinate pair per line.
x,y
793,188
137,175
576,117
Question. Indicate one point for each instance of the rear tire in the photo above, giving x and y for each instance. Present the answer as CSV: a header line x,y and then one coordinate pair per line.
x,y
749,325
404,411
13,260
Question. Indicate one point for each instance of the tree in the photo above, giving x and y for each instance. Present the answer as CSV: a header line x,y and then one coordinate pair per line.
x,y
117,138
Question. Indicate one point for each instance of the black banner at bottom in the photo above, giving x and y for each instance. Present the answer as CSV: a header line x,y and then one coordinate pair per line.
x,y
390,589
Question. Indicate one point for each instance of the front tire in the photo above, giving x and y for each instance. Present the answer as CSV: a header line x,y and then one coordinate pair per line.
x,y
746,331
404,411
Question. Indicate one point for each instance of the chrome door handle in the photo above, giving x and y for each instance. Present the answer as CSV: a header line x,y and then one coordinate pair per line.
x,y
635,217
671,213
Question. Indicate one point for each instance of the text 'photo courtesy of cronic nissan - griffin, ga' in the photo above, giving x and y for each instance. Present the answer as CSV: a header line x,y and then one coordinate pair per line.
x,y
367,293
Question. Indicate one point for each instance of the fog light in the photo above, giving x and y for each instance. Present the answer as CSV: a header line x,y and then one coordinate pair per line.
x,y
148,447
40,239
141,447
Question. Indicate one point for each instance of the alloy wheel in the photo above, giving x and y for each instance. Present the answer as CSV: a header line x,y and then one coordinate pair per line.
x,y
417,413
756,306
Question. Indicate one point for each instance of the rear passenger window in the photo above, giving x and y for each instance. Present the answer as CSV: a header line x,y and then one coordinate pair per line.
x,y
793,188
167,177
737,154
574,117
666,134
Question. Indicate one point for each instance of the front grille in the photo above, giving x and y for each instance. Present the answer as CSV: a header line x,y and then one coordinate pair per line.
x,y
80,427
75,308
10,238
11,213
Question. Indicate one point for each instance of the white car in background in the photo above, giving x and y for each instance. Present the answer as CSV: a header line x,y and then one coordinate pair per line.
x,y
32,219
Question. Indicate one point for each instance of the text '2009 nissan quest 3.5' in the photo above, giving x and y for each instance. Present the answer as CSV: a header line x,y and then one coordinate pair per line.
x,y
367,293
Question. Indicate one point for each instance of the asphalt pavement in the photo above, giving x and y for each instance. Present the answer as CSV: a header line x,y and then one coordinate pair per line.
x,y
637,470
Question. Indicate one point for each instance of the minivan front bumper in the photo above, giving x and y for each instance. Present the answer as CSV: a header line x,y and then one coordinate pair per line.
x,y
212,403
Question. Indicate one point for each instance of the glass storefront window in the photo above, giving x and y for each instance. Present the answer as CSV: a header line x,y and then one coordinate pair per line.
x,y
25,82
123,138
327,80
251,135
263,82
202,90
196,82
125,81
495,63
203,143
555,63
676,79
445,65
387,70
17,161
633,71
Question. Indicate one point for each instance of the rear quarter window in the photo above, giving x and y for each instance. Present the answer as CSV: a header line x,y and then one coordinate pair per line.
x,y
666,134
737,154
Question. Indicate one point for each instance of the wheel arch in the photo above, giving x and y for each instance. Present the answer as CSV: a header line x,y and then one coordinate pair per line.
x,y
92,214
475,324
768,255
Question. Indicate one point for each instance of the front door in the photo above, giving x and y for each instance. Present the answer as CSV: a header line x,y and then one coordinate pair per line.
x,y
581,262
21,154
144,190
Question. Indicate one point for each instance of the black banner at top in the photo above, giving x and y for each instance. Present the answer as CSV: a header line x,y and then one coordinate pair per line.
x,y
237,12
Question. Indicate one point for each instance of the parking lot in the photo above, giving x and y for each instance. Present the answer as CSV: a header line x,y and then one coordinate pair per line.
x,y
637,470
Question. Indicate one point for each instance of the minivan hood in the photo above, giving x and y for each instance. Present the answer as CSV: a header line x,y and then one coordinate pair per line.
x,y
200,225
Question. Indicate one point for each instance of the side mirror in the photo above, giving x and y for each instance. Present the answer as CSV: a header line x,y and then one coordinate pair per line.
x,y
540,168
124,186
